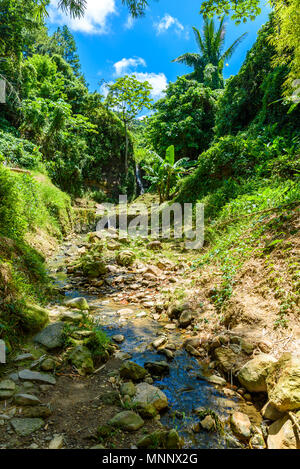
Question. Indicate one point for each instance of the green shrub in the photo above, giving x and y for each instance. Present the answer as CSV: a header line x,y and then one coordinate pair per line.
x,y
20,152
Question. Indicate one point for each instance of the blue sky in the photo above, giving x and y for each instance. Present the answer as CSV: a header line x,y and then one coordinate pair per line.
x,y
111,44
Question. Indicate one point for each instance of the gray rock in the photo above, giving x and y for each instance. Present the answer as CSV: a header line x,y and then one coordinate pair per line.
x,y
128,420
118,338
29,375
26,426
26,399
24,356
51,337
148,394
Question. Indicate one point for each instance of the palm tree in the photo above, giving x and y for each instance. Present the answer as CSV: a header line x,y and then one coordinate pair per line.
x,y
76,8
208,65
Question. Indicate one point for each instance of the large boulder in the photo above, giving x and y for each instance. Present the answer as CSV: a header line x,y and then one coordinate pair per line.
x,y
148,394
133,371
125,258
52,336
78,303
254,373
81,358
283,434
128,420
283,383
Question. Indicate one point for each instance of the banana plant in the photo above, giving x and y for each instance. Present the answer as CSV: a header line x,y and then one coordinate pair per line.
x,y
163,173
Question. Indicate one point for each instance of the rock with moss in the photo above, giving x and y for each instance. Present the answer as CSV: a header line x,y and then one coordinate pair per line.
x,y
34,317
81,358
283,383
125,258
146,411
7,389
253,374
128,389
38,411
94,268
78,303
133,371
161,439
127,420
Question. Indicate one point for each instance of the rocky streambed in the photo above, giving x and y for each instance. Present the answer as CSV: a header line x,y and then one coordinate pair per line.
x,y
152,386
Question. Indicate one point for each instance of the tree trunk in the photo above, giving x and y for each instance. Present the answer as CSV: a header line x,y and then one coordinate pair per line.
x,y
126,149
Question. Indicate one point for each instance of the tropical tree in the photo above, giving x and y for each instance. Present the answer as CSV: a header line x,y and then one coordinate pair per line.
x,y
128,97
76,8
184,118
163,173
208,65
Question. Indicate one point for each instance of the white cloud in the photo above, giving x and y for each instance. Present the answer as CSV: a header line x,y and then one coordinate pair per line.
x,y
168,22
129,23
123,66
94,20
158,81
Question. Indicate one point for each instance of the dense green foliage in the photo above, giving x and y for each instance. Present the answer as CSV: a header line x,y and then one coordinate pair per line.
x,y
184,118
48,104
254,94
163,173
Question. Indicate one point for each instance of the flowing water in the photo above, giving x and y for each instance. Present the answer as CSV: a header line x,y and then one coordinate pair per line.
x,y
186,386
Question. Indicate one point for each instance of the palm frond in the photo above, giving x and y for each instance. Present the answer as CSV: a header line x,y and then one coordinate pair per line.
x,y
75,8
199,39
136,7
232,48
220,36
189,59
